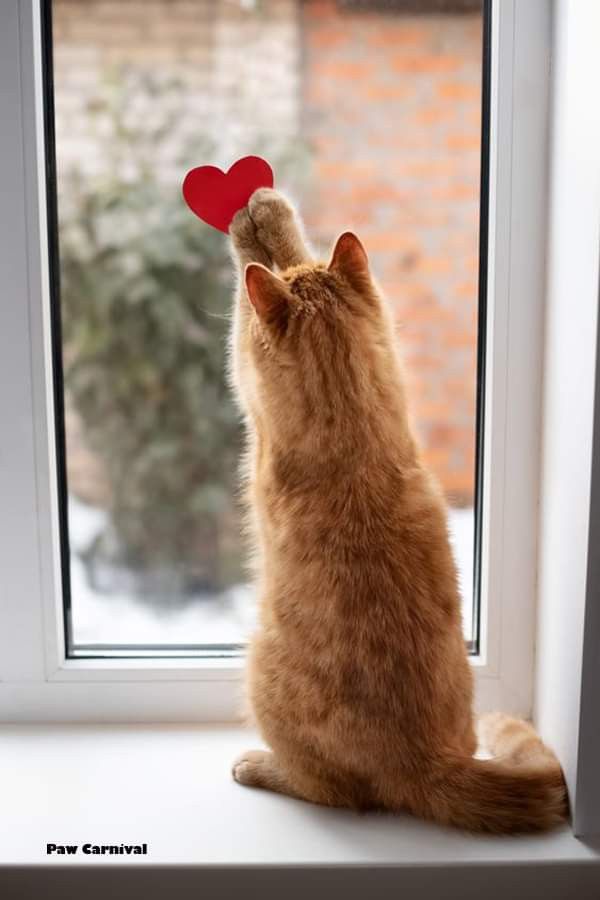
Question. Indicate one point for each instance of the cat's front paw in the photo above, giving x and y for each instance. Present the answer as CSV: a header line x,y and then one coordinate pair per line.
x,y
248,247
270,212
242,230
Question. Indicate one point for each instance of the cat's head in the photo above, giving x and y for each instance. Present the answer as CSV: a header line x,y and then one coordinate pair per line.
x,y
314,350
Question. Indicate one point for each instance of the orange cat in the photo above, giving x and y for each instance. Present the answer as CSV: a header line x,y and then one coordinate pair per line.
x,y
358,675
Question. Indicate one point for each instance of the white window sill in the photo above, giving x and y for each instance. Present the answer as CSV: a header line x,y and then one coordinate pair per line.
x,y
170,787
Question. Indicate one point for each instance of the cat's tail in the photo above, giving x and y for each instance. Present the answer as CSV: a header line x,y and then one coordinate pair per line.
x,y
523,789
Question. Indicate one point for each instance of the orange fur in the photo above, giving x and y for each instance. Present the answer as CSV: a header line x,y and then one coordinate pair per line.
x,y
358,675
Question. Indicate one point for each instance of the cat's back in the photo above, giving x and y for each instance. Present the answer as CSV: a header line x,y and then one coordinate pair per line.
x,y
359,605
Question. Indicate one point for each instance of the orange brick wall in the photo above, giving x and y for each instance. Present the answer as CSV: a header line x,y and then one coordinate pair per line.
x,y
392,104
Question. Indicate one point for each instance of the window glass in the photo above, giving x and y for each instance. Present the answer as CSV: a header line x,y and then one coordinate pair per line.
x,y
371,117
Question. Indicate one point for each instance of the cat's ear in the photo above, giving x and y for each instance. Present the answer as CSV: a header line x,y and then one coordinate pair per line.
x,y
268,294
349,259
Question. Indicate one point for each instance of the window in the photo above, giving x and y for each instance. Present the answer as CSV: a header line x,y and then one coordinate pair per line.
x,y
126,292
373,122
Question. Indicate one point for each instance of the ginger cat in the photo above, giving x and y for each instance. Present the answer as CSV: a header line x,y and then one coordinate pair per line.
x,y
358,675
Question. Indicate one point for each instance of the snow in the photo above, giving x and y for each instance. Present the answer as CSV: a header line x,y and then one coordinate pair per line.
x,y
227,618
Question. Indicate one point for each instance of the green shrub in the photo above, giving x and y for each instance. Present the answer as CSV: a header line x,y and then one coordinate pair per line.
x,y
145,297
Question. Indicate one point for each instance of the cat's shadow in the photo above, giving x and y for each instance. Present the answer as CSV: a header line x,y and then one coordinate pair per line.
x,y
347,836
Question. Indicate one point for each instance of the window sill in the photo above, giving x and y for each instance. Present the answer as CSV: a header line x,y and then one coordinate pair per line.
x,y
170,787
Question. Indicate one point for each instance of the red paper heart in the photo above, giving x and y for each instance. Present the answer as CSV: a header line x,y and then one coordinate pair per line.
x,y
216,196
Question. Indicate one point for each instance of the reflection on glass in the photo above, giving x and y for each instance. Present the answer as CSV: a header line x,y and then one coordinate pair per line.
x,y
370,118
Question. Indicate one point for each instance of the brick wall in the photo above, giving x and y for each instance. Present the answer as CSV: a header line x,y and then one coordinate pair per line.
x,y
390,105
238,67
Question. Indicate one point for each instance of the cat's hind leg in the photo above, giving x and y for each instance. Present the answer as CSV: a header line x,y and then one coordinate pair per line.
x,y
278,228
259,768
514,740
262,769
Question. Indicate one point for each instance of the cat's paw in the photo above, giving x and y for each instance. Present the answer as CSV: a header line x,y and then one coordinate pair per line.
x,y
270,212
489,728
248,247
242,230
247,767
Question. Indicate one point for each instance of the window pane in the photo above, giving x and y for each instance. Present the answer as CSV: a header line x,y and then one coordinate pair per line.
x,y
371,118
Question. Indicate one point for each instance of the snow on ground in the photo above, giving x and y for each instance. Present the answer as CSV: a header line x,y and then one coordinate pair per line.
x,y
102,618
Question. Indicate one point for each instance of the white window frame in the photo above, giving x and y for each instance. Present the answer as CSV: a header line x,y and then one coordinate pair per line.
x,y
37,681
567,670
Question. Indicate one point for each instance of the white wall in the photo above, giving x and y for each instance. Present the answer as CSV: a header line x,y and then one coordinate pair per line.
x,y
569,396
